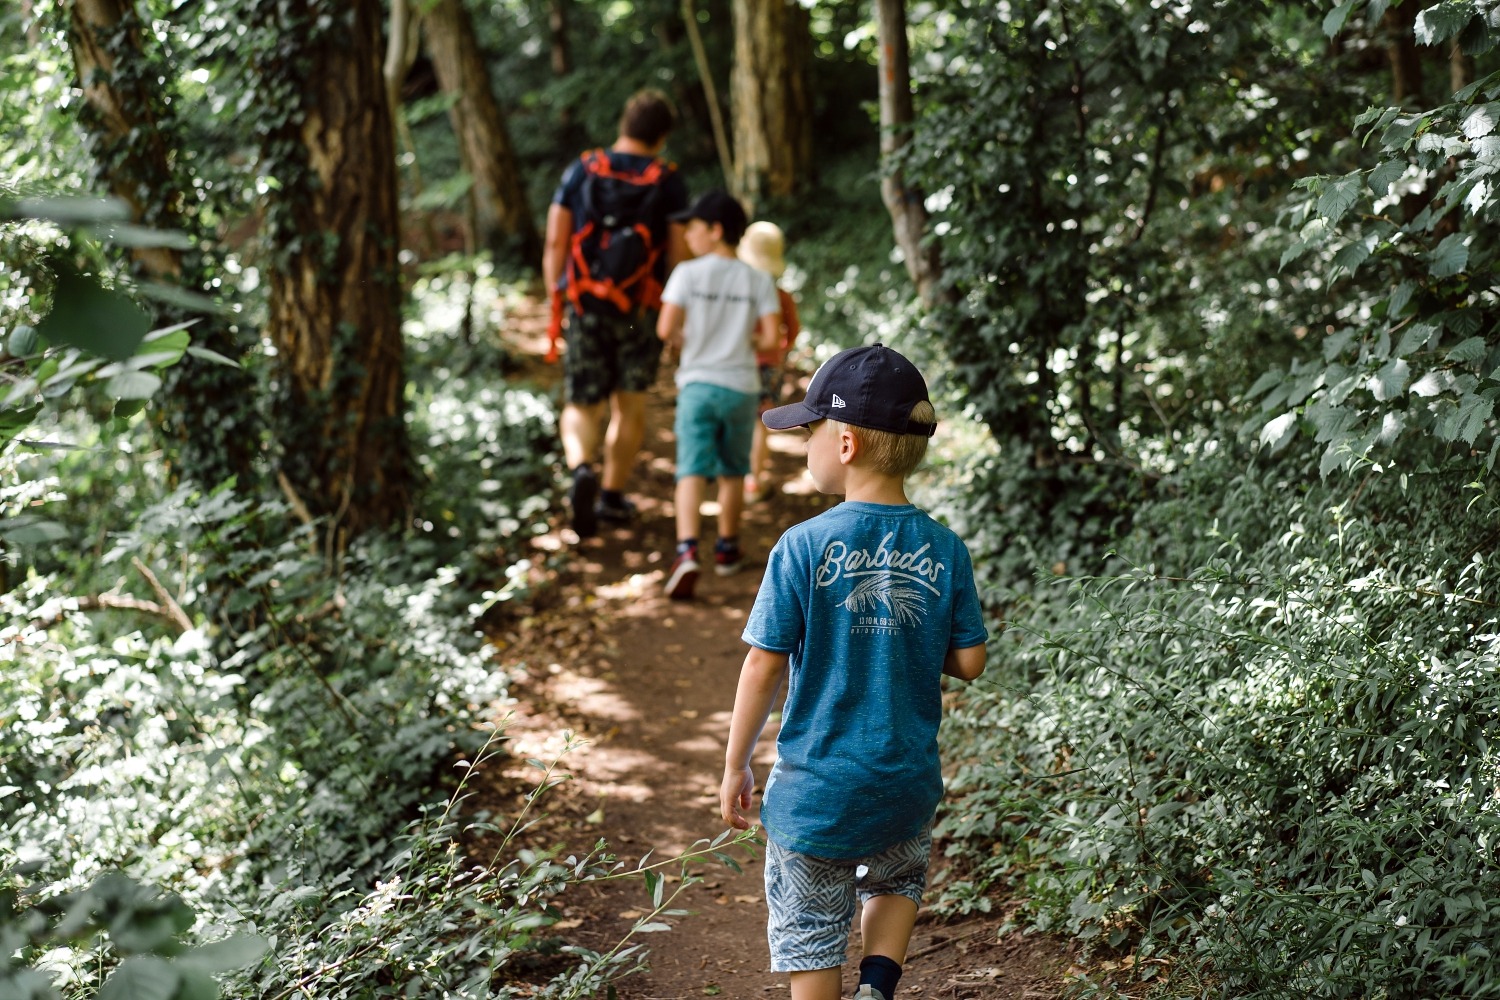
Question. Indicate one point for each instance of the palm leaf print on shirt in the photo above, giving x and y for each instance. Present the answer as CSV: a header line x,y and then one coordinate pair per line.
x,y
904,601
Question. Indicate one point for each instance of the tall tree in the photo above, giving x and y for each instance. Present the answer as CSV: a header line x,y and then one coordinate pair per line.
x,y
328,150
207,419
771,98
557,36
503,219
904,202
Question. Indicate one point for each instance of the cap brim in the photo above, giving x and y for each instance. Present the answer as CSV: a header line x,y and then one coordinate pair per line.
x,y
783,418
685,215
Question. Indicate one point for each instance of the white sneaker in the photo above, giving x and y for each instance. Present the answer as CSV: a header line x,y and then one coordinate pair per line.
x,y
868,992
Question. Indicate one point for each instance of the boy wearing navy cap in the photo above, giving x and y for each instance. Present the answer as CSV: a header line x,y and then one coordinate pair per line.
x,y
862,610
716,312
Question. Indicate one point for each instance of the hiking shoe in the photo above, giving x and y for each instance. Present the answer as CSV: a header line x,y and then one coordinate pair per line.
x,y
583,495
683,576
620,511
868,992
728,560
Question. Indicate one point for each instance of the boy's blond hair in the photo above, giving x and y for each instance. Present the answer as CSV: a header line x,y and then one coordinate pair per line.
x,y
894,455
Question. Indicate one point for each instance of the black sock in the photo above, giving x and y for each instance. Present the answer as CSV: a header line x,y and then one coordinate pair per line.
x,y
685,544
881,973
581,467
727,543
613,498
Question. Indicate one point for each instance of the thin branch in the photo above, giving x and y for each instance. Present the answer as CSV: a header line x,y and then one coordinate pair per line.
x,y
298,507
700,56
113,602
174,610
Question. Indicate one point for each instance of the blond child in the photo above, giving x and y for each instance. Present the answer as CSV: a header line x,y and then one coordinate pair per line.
x,y
862,610
764,247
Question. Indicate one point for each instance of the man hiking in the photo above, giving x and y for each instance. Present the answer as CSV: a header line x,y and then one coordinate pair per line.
x,y
609,247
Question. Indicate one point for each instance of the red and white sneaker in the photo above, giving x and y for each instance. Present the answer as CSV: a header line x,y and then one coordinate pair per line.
x,y
683,576
728,560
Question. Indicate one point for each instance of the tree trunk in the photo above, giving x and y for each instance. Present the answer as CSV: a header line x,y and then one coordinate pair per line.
x,y
770,99
557,36
906,205
1401,48
207,421
504,220
335,296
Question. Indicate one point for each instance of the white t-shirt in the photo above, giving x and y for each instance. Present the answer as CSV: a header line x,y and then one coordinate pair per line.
x,y
722,299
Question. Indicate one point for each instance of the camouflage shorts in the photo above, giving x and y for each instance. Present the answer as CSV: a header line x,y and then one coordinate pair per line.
x,y
609,354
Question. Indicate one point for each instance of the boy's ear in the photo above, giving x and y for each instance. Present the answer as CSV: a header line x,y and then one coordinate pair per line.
x,y
848,445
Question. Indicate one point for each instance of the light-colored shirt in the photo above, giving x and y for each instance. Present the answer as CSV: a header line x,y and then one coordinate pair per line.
x,y
722,300
866,600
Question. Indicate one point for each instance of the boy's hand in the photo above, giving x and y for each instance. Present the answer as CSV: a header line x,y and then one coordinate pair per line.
x,y
734,797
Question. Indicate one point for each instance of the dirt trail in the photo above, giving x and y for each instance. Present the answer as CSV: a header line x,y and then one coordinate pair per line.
x,y
650,682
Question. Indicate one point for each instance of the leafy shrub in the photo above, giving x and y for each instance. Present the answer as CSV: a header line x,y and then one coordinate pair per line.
x,y
1266,742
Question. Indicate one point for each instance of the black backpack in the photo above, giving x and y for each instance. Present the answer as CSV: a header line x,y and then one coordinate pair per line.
x,y
613,256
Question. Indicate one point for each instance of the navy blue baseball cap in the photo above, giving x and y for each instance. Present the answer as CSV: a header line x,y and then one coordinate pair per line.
x,y
718,206
865,386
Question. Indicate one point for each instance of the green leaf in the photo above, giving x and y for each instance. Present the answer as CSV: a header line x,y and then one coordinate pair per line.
x,y
1400,298
1398,134
1390,382
68,212
222,956
1480,122
1449,257
1348,259
1278,431
1333,23
1439,23
13,422
1468,351
196,985
1473,413
88,316
23,340
144,977
214,356
1386,173
133,385
127,234
1414,337
1337,196
29,529
653,928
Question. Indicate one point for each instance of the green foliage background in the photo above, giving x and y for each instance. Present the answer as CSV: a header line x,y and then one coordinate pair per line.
x,y
1216,359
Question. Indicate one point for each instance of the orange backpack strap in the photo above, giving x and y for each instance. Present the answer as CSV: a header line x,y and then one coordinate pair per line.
x,y
554,326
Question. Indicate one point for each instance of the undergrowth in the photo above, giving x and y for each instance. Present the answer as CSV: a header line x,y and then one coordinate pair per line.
x,y
232,754
1250,751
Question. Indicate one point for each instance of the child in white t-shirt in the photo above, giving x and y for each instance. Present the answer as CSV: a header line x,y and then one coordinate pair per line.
x,y
717,311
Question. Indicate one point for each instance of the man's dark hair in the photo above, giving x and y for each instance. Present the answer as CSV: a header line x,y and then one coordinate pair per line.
x,y
648,117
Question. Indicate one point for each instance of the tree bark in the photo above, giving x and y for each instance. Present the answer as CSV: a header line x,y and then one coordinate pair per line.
x,y
207,421
335,296
770,98
557,36
905,204
503,219
1405,59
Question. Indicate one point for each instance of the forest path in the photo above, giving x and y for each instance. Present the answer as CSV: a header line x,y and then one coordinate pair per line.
x,y
649,683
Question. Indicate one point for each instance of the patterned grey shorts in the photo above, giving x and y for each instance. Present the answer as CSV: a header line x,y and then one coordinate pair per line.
x,y
608,354
812,899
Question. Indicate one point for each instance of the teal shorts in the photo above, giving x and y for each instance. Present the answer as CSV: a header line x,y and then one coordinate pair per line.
x,y
715,427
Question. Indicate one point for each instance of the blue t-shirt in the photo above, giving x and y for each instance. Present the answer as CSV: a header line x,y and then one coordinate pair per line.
x,y
866,600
